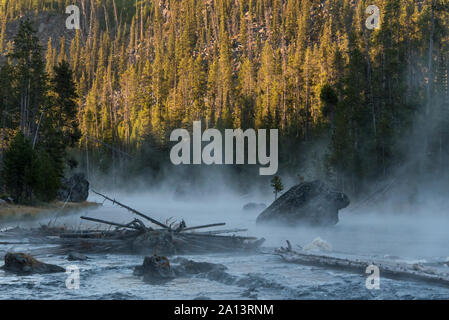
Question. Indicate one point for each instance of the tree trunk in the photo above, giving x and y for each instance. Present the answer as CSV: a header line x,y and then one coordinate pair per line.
x,y
370,83
429,66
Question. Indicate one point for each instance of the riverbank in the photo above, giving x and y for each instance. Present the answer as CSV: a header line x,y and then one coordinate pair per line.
x,y
15,211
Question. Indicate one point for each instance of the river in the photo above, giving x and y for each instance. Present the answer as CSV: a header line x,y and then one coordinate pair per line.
x,y
401,236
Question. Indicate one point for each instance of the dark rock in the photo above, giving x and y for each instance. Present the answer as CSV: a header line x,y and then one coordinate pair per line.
x,y
22,263
186,266
252,206
310,203
155,269
75,189
212,271
76,256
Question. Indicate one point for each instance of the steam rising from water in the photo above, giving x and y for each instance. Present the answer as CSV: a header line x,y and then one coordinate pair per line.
x,y
420,237
367,232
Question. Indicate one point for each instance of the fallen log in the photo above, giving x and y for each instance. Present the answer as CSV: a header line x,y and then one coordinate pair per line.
x,y
222,231
207,236
94,234
203,227
399,271
110,223
133,210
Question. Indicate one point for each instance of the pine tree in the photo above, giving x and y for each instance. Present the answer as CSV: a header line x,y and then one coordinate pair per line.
x,y
47,180
276,184
19,169
144,68
31,77
65,109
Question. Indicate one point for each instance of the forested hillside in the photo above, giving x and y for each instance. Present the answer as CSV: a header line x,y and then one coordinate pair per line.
x,y
368,98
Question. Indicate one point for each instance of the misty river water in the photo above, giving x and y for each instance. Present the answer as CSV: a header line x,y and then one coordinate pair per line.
x,y
401,237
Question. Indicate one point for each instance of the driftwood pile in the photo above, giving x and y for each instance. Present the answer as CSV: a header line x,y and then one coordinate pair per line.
x,y
138,238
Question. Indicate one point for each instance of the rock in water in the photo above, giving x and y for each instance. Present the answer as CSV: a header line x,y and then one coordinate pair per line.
x,y
76,256
211,271
75,189
190,267
309,203
155,269
252,206
22,263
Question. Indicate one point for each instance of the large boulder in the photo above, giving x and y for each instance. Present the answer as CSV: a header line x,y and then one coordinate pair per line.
x,y
21,263
308,203
75,189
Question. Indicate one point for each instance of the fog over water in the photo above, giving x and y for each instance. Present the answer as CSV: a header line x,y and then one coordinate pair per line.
x,y
419,236
365,231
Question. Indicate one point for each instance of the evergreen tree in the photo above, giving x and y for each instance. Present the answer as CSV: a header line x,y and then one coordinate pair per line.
x,y
142,69
65,109
47,180
19,169
276,184
30,76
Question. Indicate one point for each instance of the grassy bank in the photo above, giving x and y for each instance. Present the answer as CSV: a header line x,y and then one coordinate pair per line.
x,y
14,211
